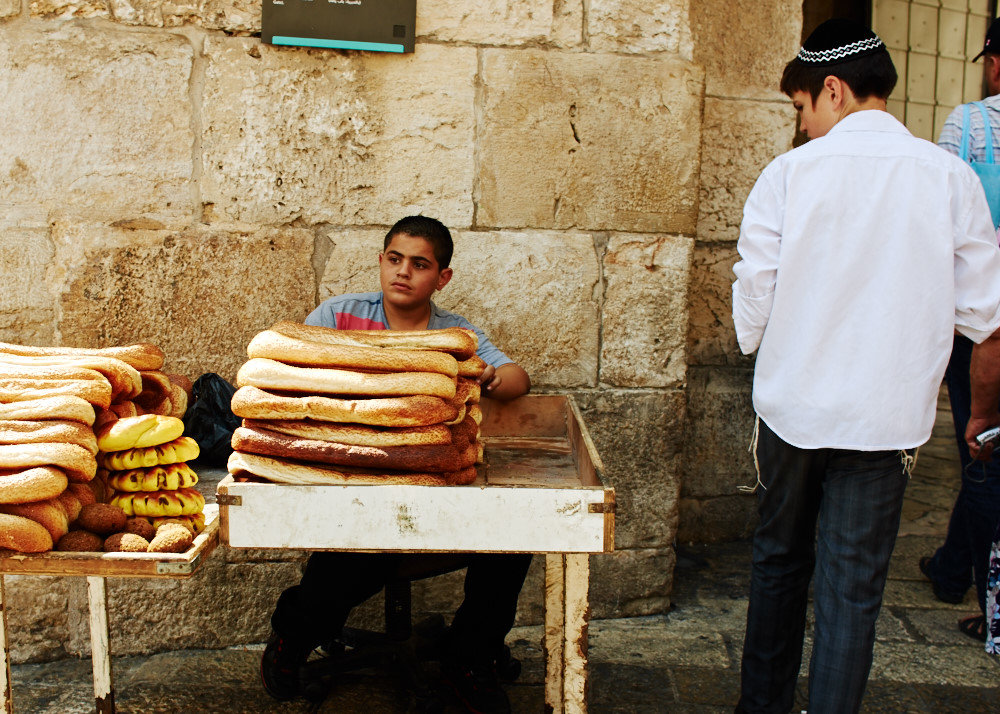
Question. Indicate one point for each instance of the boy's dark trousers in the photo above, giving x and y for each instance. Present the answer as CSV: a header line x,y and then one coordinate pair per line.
x,y
974,519
855,498
316,609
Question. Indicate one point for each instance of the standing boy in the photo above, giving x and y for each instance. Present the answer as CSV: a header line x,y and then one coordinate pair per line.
x,y
414,265
861,251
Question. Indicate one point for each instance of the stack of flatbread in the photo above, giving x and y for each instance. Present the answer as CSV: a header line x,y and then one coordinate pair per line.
x,y
325,406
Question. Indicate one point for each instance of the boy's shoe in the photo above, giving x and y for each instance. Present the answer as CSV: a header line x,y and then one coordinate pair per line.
x,y
280,665
477,686
940,593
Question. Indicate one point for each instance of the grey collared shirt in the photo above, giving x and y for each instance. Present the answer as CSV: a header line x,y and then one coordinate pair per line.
x,y
951,134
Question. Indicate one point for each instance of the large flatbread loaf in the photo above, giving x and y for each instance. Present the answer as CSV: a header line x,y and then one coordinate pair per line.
x,y
40,432
290,350
124,378
355,434
97,393
431,458
271,374
78,464
292,472
456,341
139,356
419,410
57,407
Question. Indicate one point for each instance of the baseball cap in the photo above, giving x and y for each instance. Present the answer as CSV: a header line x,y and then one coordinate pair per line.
x,y
992,43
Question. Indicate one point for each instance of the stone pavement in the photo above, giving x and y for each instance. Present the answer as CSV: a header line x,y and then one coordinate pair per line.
x,y
685,661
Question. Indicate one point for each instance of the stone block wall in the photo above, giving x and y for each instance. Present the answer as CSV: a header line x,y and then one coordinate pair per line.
x,y
167,178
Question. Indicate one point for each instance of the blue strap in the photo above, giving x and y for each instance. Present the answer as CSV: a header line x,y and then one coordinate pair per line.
x,y
988,130
963,149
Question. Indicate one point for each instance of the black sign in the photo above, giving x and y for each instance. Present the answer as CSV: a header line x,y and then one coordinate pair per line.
x,y
372,25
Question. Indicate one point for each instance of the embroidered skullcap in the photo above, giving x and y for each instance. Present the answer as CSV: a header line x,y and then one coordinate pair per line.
x,y
837,41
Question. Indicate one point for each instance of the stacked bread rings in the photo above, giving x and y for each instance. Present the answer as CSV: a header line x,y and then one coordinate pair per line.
x,y
350,406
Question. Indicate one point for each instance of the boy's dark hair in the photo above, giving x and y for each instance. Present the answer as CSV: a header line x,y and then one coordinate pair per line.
x,y
431,230
872,75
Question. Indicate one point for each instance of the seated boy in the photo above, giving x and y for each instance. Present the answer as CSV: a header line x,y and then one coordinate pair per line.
x,y
413,265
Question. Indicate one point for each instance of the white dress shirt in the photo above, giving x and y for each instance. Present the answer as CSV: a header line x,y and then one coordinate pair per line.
x,y
862,251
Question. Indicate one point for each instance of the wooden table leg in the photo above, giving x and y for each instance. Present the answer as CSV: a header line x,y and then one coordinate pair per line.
x,y
8,705
567,612
554,647
104,694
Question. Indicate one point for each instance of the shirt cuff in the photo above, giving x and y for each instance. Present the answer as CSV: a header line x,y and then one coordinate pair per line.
x,y
750,316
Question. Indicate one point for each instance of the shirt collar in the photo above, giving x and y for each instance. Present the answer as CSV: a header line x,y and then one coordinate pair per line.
x,y
869,120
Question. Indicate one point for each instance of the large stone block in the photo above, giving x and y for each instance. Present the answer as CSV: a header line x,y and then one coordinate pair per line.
x,y
720,425
587,141
62,9
36,613
645,320
27,311
639,436
740,138
717,520
744,45
644,26
534,294
491,22
630,583
712,335
239,17
344,138
98,122
200,295
10,8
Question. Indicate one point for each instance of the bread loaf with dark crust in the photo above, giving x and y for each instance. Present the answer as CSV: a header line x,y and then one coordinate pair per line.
x,y
53,407
433,458
140,356
464,432
355,434
23,535
456,341
15,431
417,410
290,350
292,472
271,374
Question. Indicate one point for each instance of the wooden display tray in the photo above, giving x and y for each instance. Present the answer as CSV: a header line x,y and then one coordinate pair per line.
x,y
540,490
120,565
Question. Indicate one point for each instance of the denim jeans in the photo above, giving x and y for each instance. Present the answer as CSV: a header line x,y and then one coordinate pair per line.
x,y
833,513
963,558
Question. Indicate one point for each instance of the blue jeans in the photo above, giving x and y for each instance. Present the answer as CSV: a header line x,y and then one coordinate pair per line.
x,y
964,557
833,514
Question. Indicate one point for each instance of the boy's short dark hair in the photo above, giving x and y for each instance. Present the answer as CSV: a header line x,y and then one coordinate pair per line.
x,y
869,76
431,230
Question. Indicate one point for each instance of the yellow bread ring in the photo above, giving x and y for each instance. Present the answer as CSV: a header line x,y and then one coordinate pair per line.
x,y
31,484
182,502
183,448
140,431
156,478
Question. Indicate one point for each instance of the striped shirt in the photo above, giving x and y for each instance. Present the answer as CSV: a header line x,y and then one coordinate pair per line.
x,y
364,311
951,134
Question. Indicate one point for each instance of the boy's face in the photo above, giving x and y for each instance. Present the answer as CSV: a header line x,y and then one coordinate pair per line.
x,y
815,119
409,272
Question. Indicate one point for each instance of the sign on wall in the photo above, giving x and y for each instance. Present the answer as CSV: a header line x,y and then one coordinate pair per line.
x,y
373,25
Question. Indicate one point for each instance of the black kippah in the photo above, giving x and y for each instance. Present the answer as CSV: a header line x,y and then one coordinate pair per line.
x,y
838,41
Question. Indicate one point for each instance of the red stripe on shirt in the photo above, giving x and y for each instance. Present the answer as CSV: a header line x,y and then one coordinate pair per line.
x,y
347,321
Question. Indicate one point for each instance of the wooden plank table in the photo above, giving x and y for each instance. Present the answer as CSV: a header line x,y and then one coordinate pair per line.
x,y
96,567
540,490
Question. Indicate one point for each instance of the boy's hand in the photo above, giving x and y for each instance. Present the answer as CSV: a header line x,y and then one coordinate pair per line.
x,y
489,379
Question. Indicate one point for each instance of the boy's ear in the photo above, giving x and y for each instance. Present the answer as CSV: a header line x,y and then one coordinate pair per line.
x,y
444,277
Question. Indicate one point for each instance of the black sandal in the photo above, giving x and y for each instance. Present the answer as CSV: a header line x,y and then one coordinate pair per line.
x,y
974,627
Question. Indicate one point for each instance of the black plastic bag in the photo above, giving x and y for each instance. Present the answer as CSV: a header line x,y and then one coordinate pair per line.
x,y
210,421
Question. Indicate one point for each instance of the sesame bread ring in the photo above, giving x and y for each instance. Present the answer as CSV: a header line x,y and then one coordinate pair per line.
x,y
156,390
271,374
183,448
32,484
124,378
78,463
49,513
57,407
23,535
287,471
456,341
70,503
418,410
93,391
35,432
140,431
354,434
274,345
140,356
472,367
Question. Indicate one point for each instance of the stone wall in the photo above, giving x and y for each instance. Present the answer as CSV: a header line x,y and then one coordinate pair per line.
x,y
167,178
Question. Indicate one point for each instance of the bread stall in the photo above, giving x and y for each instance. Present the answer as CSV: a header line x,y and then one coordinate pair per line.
x,y
94,480
329,460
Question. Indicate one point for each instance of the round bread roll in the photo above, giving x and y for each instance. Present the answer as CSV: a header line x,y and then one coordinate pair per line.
x,y
171,538
285,471
38,483
125,543
39,432
78,464
270,374
124,378
456,341
23,535
419,410
354,434
141,527
102,518
80,541
48,513
429,457
59,407
140,431
140,356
